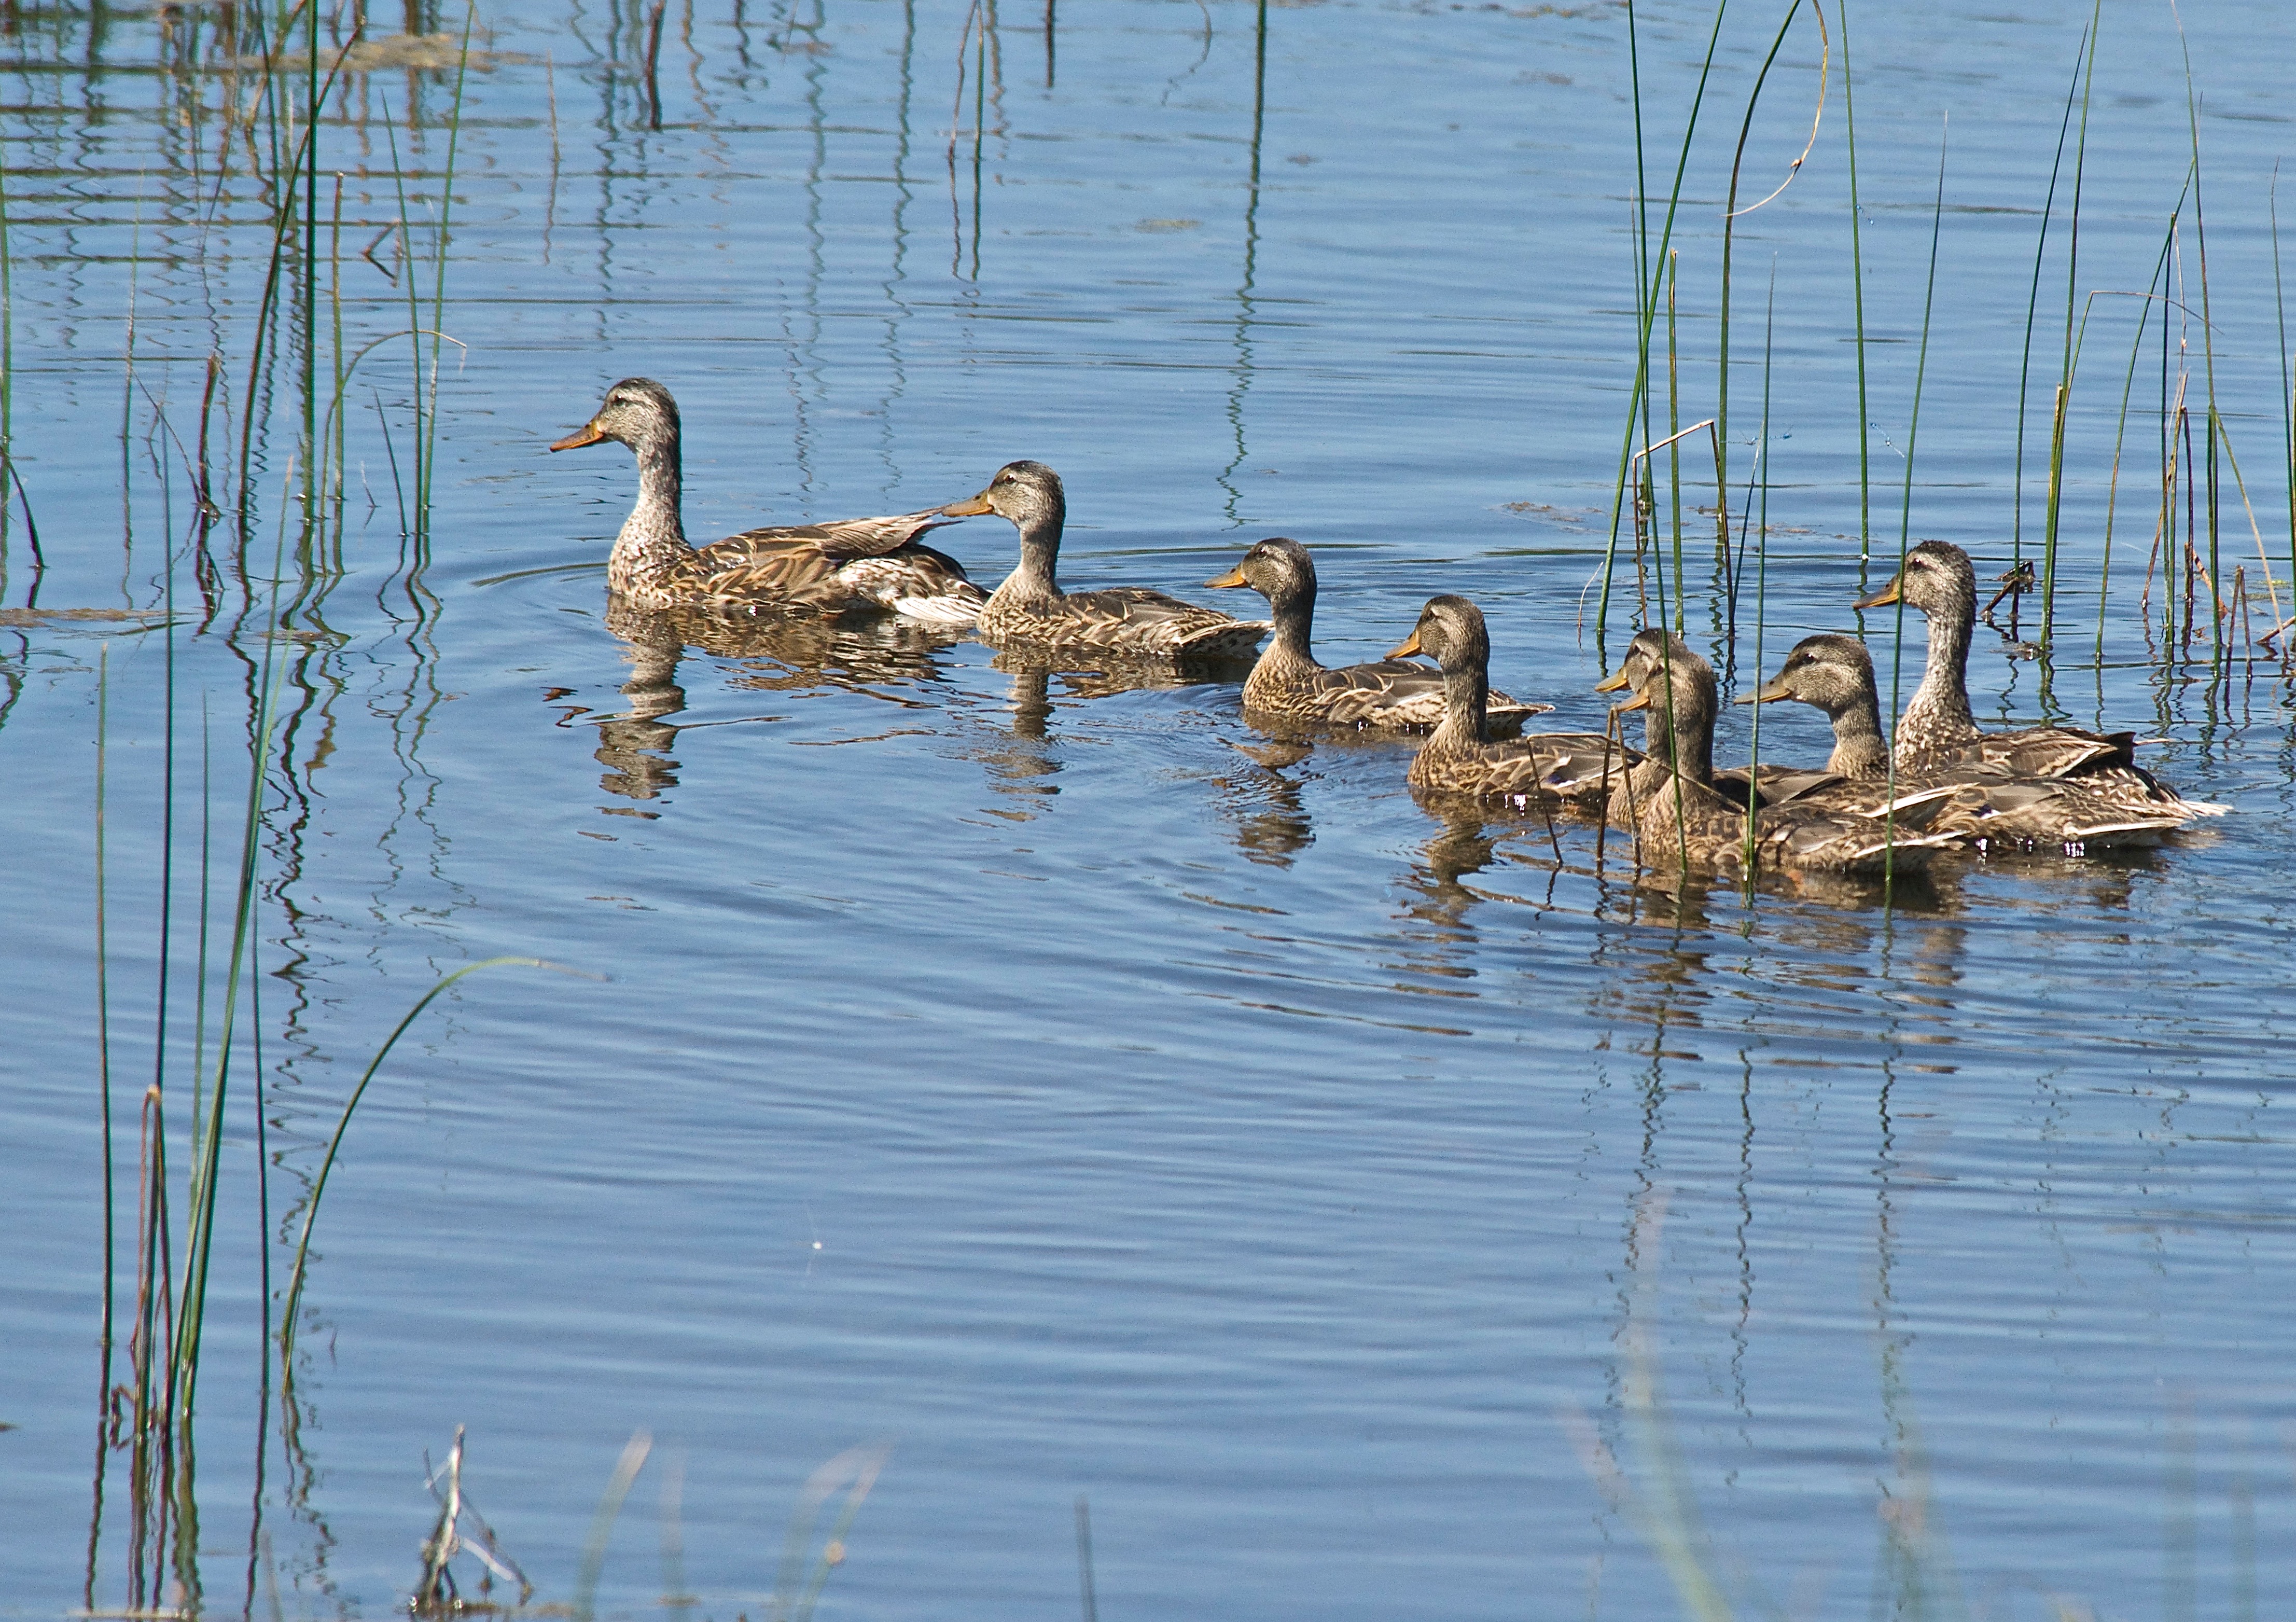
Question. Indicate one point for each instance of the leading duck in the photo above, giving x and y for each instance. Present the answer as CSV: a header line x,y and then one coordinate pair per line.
x,y
864,563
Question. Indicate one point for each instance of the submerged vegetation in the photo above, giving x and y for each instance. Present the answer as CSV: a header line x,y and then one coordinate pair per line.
x,y
307,182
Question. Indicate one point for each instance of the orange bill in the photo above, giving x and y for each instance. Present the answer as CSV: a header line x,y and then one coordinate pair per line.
x,y
1612,683
973,507
588,434
1880,599
1234,576
1641,701
1407,647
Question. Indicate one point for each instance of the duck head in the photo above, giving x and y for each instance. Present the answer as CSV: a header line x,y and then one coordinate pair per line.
x,y
1027,493
1278,569
1937,578
1831,673
1450,632
639,412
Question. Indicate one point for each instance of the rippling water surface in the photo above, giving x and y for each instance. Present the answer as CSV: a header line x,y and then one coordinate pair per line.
x,y
1368,1213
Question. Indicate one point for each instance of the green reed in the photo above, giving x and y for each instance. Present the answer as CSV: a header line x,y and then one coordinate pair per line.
x,y
2065,375
290,1312
1857,305
1730,209
2219,649
2082,56
1646,297
1906,502
1761,572
214,970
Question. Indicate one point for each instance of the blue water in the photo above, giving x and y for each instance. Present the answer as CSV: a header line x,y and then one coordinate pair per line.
x,y
1368,1214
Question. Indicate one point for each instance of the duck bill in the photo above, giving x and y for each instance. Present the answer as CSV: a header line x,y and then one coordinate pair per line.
x,y
972,506
1612,683
1771,692
1234,576
1641,701
1880,599
1406,648
589,433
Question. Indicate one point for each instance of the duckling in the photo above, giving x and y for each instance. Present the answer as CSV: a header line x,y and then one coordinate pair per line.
x,y
854,564
1029,609
1939,730
1460,757
1669,800
1288,684
1993,804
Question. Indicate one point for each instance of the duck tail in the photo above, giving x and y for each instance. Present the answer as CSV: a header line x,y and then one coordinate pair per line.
x,y
961,604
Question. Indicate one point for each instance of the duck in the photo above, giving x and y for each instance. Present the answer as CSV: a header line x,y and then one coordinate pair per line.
x,y
1288,684
1669,800
866,565
1031,610
1994,805
1937,729
1461,758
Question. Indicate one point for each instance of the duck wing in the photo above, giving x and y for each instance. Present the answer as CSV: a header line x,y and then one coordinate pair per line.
x,y
2052,751
918,582
1399,694
1134,619
1777,785
841,540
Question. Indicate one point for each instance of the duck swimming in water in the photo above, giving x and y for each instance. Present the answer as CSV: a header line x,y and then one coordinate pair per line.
x,y
859,563
1994,805
1678,816
1288,684
1939,729
1029,610
1462,757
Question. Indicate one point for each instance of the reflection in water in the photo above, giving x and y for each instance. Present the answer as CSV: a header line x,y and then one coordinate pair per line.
x,y
1441,901
872,658
1246,306
1271,820
1024,753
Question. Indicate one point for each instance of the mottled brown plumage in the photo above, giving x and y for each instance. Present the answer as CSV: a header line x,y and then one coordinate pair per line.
x,y
1460,757
1995,805
860,564
1289,684
1939,731
1030,609
1679,817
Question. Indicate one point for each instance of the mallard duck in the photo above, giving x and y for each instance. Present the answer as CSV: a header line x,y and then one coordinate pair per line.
x,y
1937,729
855,564
1670,802
1287,683
1030,609
1460,757
1993,804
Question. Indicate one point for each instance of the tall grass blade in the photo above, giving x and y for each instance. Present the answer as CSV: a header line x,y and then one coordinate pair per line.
x,y
610,1501
290,1316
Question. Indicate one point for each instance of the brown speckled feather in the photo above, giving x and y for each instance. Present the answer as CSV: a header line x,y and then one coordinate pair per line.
x,y
830,568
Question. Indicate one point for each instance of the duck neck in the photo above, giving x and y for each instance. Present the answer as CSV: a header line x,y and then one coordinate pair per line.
x,y
653,536
1682,739
1294,614
1467,695
1036,581
1859,750
1938,715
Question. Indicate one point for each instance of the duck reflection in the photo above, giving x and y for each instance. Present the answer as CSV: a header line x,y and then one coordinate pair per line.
x,y
1264,805
1439,897
1024,752
778,654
